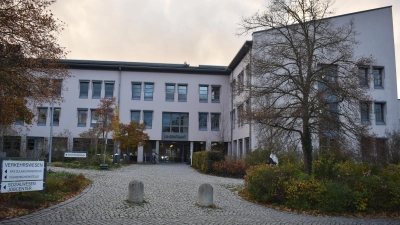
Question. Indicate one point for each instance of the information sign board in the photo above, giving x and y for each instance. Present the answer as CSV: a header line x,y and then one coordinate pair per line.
x,y
13,170
21,186
75,154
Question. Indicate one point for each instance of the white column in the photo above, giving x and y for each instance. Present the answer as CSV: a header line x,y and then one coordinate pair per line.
x,y
140,154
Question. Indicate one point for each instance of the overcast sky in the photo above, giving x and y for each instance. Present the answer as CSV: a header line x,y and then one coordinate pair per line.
x,y
171,31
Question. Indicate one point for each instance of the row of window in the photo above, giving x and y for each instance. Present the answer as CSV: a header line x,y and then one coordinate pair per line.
x,y
379,107
215,121
377,76
239,87
97,86
171,89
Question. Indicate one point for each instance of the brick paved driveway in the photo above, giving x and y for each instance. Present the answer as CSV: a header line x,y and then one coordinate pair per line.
x,y
170,195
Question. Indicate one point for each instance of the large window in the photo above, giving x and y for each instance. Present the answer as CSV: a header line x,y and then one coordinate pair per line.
x,y
233,119
148,91
109,90
169,92
215,92
378,77
148,119
58,86
215,120
365,112
136,90
380,112
182,92
93,117
203,121
12,145
135,116
248,75
56,116
82,117
175,122
83,89
96,91
203,93
42,116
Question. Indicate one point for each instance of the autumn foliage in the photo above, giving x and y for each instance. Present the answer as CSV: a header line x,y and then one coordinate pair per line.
x,y
30,72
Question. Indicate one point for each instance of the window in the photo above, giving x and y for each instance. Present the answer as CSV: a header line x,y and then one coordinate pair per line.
x,y
148,91
247,145
364,108
328,76
12,146
215,118
215,91
203,121
56,116
363,72
83,89
82,117
248,75
203,93
169,92
136,91
19,122
175,122
35,143
109,90
96,91
240,82
59,144
240,148
93,117
248,110
135,116
379,113
42,116
182,92
240,115
378,77
58,87
148,119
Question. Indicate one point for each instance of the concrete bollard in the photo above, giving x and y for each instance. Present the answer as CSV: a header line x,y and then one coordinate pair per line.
x,y
136,191
205,195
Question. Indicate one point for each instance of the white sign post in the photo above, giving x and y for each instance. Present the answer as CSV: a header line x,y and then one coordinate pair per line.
x,y
20,176
76,154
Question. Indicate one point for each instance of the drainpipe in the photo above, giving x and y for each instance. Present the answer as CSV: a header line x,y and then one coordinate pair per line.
x,y
119,89
231,113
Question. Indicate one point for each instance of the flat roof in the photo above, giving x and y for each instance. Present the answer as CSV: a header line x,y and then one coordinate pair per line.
x,y
145,67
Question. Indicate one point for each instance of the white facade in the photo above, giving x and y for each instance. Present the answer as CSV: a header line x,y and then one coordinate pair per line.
x,y
376,38
375,30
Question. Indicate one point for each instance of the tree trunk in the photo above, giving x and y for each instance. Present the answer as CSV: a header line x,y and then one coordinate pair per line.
x,y
307,149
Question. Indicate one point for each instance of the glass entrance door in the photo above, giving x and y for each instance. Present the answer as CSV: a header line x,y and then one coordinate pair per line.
x,y
174,151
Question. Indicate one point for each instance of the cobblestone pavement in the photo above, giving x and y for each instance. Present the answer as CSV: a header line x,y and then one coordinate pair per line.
x,y
170,198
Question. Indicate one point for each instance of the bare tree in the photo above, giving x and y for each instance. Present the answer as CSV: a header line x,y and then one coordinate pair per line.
x,y
305,77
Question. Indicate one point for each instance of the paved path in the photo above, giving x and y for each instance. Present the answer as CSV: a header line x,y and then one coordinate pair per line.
x,y
170,195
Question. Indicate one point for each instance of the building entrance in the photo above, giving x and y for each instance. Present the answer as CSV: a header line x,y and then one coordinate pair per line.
x,y
174,151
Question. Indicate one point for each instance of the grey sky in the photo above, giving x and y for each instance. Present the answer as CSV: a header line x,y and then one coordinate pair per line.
x,y
171,31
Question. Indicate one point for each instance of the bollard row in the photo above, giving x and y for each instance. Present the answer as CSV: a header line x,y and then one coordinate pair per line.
x,y
136,193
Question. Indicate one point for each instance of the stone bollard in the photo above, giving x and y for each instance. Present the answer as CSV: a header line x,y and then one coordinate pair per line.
x,y
205,195
136,191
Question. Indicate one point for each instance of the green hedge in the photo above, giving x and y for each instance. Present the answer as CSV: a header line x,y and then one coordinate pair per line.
x,y
351,187
204,160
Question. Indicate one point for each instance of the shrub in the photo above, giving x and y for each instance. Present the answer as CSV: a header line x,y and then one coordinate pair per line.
x,y
257,157
204,160
266,183
230,167
302,193
335,197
